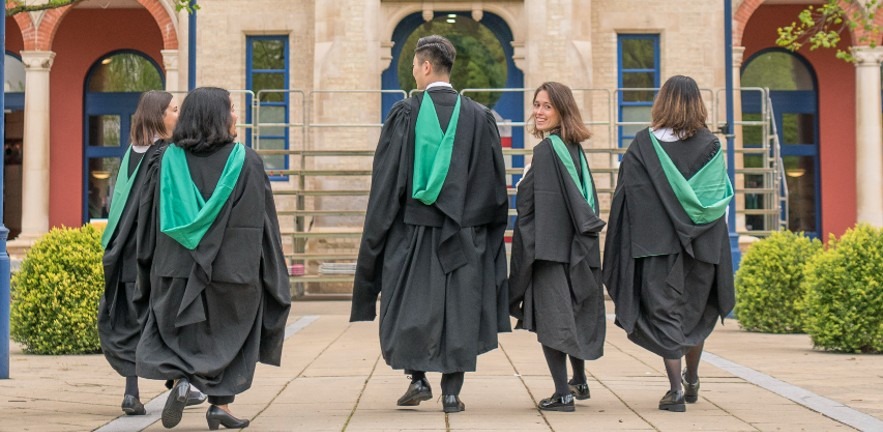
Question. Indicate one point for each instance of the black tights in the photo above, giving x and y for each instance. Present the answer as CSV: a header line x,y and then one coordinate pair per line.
x,y
557,362
673,367
451,383
132,387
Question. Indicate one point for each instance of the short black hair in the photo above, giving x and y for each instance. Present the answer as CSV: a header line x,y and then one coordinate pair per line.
x,y
439,51
205,120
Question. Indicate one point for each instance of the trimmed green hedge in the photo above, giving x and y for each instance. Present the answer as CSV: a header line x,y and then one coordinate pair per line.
x,y
769,290
844,301
55,293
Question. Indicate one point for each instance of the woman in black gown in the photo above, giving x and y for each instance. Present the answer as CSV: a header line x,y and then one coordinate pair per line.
x,y
555,277
667,263
210,254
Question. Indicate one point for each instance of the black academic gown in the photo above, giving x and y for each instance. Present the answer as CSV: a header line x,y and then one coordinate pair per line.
x,y
217,310
122,309
440,269
555,274
669,278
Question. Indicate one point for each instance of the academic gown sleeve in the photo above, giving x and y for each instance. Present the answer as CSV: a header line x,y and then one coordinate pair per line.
x,y
148,220
388,184
497,230
618,266
274,278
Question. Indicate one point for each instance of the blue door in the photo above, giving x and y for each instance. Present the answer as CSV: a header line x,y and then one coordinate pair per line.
x,y
795,107
113,86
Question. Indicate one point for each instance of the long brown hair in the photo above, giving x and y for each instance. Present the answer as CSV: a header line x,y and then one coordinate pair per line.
x,y
679,106
571,129
147,122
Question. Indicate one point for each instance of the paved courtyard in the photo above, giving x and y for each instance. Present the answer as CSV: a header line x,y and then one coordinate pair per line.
x,y
333,379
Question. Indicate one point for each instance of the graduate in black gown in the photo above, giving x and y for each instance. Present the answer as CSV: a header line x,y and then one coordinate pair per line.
x,y
210,259
555,285
667,262
122,310
432,245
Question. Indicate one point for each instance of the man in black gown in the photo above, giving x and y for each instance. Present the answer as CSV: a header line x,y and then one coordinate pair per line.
x,y
432,245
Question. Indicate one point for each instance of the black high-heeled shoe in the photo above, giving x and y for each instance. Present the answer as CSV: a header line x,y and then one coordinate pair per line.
x,y
216,417
174,407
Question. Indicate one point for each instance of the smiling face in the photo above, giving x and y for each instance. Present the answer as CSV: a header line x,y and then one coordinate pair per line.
x,y
546,117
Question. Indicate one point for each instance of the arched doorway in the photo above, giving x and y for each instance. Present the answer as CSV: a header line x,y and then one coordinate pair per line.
x,y
792,85
13,141
509,105
113,85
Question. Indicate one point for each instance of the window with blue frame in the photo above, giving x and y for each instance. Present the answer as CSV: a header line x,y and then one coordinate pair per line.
x,y
638,66
267,75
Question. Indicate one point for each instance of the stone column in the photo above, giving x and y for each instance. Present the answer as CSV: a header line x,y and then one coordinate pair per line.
x,y
35,161
170,64
868,135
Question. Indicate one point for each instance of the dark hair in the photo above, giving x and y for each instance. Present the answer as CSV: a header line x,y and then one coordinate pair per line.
x,y
679,106
205,121
571,129
147,122
439,51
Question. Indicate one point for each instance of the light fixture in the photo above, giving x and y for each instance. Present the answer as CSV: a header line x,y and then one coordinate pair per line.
x,y
107,61
451,21
451,15
101,175
795,172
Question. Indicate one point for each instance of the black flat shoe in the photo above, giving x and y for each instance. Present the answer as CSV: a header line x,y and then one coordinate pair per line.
x,y
691,391
673,401
579,391
133,406
195,397
417,392
452,404
174,407
215,417
557,403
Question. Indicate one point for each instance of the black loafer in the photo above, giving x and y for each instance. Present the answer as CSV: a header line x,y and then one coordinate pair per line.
x,y
132,406
417,392
691,390
579,391
557,403
215,417
195,397
174,407
673,401
452,404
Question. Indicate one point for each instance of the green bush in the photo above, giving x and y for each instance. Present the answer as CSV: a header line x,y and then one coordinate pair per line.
x,y
844,301
55,293
769,293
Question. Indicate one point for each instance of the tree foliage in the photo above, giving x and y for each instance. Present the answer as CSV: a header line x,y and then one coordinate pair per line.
x,y
820,26
480,62
14,7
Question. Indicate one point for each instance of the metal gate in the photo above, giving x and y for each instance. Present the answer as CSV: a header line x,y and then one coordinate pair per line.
x,y
322,194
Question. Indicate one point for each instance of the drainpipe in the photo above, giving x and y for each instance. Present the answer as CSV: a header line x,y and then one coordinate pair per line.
x,y
731,151
4,257
191,47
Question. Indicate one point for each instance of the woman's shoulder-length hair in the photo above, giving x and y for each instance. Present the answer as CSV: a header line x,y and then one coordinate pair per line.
x,y
205,120
571,129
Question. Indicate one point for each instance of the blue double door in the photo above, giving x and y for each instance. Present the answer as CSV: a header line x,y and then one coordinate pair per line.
x,y
797,123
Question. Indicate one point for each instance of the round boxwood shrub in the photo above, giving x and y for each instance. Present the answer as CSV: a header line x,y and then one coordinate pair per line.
x,y
769,293
55,293
844,300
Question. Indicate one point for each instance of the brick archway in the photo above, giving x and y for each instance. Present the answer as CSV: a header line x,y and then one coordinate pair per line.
x,y
747,8
28,30
52,18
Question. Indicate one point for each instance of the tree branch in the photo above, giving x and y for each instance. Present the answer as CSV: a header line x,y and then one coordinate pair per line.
x,y
19,6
